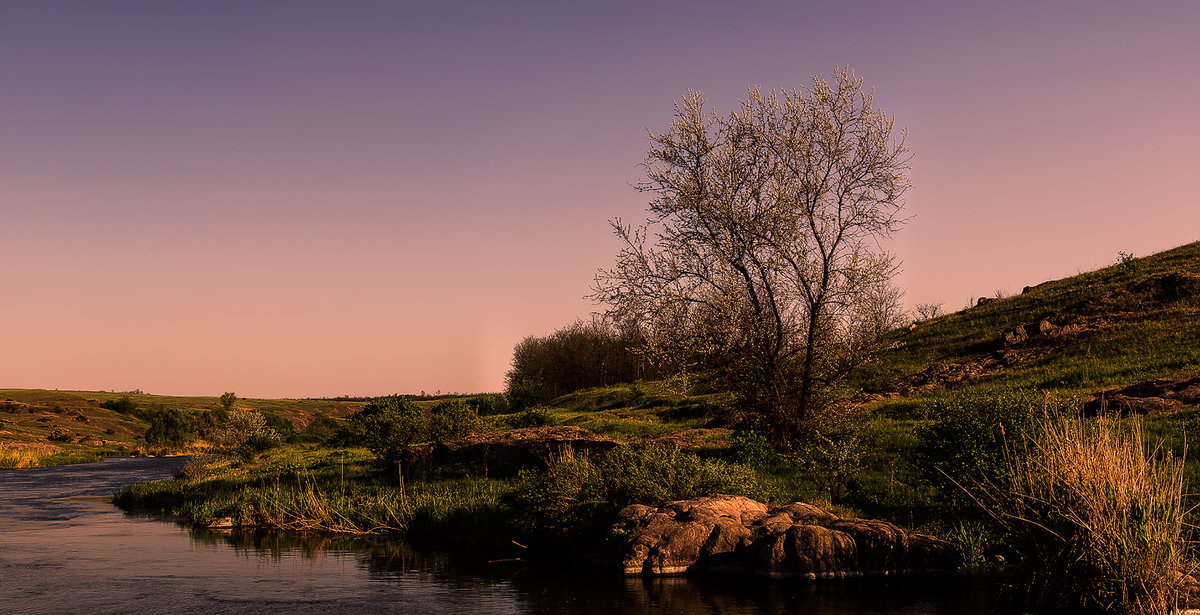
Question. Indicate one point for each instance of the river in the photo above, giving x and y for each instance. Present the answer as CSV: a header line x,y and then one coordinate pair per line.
x,y
64,548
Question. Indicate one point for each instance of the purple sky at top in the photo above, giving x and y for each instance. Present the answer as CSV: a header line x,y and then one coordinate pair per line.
x,y
318,198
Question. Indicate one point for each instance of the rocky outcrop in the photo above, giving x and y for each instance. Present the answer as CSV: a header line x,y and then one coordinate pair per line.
x,y
506,453
733,534
1158,396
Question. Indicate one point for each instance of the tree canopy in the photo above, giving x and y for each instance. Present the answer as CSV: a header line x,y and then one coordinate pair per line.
x,y
760,260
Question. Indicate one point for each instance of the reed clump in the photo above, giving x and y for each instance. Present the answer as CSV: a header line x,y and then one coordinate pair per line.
x,y
1096,517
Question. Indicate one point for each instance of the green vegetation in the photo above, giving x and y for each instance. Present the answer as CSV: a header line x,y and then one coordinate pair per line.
x,y
1096,518
951,417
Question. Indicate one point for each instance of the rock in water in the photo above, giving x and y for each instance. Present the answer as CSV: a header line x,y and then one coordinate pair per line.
x,y
733,534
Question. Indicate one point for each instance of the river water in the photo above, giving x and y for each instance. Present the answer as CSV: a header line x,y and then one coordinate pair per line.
x,y
64,548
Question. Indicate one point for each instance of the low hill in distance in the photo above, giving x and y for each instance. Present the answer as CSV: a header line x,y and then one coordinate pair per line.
x,y
41,422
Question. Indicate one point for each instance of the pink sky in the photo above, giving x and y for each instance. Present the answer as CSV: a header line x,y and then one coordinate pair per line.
x,y
290,199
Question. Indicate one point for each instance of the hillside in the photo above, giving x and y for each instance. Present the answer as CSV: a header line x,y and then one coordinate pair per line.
x,y
1134,321
40,422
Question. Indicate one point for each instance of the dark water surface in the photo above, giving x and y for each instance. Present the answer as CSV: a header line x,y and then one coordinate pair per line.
x,y
65,549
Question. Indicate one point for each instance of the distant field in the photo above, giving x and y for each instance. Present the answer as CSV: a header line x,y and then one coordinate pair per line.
x,y
30,417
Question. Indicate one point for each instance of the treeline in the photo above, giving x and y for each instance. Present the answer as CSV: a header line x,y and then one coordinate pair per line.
x,y
578,356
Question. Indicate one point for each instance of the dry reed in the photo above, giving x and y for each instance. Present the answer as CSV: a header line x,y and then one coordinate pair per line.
x,y
1096,516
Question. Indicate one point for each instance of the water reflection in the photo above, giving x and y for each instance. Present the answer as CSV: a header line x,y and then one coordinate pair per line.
x,y
65,549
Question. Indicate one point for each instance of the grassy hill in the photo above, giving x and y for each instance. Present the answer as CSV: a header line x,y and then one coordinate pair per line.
x,y
1136,320
29,418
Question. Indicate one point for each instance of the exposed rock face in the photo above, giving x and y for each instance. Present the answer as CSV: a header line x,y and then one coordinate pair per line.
x,y
733,534
61,435
504,454
1158,396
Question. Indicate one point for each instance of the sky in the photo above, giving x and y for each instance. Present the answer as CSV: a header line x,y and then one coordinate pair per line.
x,y
304,199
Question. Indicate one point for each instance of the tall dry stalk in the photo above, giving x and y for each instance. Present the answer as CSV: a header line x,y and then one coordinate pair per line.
x,y
1096,516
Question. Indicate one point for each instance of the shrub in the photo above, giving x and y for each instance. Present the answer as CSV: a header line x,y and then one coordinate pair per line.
x,y
525,392
124,405
387,426
964,442
537,416
245,433
489,403
168,428
1095,518
451,420
577,495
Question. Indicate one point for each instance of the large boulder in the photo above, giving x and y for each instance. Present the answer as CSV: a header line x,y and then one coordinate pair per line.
x,y
505,453
733,534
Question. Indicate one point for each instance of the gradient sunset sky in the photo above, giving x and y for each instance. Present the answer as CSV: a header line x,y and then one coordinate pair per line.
x,y
289,199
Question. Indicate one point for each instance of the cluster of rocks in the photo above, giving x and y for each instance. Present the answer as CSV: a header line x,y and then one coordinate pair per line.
x,y
59,434
1158,396
505,453
737,535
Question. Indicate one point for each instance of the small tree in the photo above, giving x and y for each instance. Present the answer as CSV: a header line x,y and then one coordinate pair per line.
x,y
168,428
451,420
245,432
227,400
928,311
760,258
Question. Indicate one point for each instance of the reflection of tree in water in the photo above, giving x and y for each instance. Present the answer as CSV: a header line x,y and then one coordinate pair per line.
x,y
382,558
548,587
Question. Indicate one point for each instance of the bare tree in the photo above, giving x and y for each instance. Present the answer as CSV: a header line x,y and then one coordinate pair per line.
x,y
927,311
760,258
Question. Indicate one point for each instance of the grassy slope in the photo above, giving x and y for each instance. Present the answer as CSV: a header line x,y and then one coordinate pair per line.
x,y
28,416
1138,333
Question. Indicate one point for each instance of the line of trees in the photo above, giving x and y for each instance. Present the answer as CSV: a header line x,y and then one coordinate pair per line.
x,y
581,355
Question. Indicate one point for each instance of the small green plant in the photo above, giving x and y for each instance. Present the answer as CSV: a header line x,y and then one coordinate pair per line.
x,y
971,539
1127,263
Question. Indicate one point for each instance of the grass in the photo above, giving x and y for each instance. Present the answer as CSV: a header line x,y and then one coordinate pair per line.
x,y
1096,516
315,489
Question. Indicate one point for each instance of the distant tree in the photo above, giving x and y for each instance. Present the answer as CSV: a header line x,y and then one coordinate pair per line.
x,y
124,405
227,401
760,255
168,427
927,311
581,355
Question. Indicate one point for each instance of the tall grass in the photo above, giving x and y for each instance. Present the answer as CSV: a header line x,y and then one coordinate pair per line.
x,y
1096,517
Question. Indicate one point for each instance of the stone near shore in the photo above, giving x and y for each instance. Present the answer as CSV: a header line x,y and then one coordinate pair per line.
x,y
737,535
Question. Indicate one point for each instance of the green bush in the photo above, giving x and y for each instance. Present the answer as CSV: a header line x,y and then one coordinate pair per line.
x,y
537,416
451,420
489,403
245,433
524,392
168,428
124,405
964,442
387,426
577,494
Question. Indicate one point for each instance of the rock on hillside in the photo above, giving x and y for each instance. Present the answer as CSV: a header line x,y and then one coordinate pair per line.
x,y
1158,396
733,534
505,453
